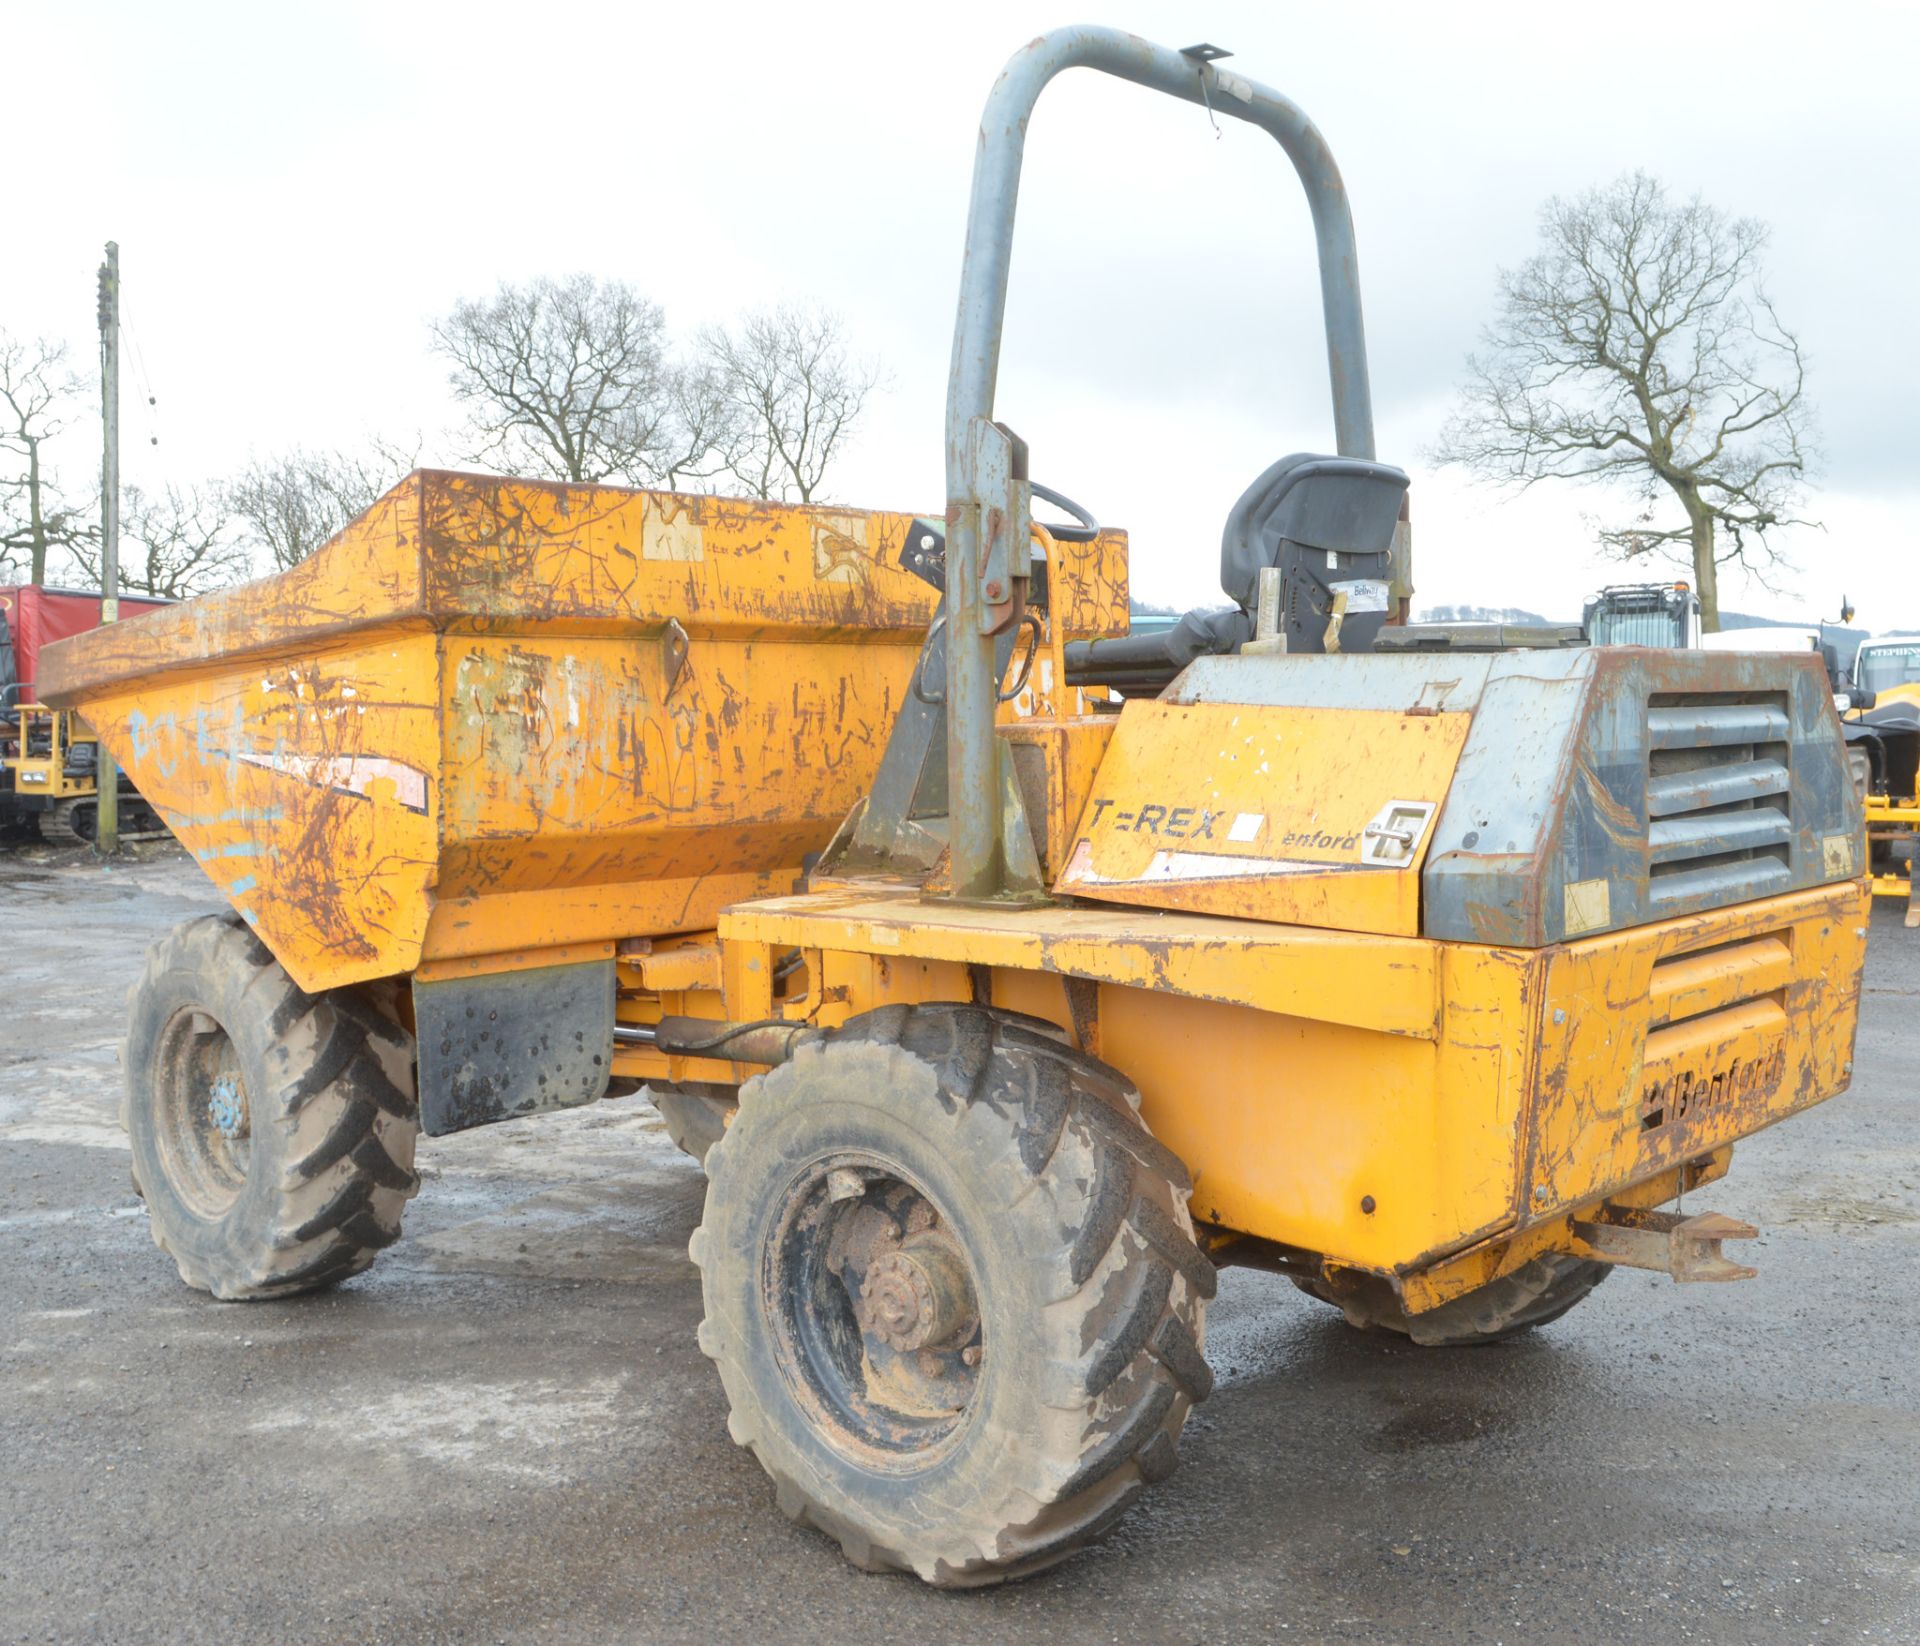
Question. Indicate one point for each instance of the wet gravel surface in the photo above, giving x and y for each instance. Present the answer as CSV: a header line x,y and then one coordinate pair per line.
x,y
504,1431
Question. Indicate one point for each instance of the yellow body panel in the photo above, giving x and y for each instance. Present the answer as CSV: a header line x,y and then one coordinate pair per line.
x,y
1908,693
1055,764
267,773
1386,984
1263,812
1384,1102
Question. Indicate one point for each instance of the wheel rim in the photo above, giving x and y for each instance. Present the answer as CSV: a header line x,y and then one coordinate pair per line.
x,y
205,1122
874,1313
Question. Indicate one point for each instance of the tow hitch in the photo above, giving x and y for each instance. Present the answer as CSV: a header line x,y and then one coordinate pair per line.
x,y
1688,1248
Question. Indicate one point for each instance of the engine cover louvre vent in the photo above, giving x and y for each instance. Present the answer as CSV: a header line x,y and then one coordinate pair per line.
x,y
1719,797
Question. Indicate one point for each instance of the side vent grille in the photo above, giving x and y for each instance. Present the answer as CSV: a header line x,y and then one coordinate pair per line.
x,y
1719,825
1703,1003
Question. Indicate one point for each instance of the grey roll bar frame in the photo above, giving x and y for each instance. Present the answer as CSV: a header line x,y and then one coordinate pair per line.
x,y
988,500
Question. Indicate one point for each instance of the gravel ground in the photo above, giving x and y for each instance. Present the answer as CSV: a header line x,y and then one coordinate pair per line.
x,y
504,1432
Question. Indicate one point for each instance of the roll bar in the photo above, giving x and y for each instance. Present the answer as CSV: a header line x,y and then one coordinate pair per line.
x,y
988,498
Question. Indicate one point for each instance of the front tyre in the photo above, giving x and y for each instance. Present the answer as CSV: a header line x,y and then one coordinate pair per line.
x,y
272,1130
953,1293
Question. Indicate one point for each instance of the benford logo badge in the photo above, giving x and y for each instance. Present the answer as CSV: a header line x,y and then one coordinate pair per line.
x,y
1688,1092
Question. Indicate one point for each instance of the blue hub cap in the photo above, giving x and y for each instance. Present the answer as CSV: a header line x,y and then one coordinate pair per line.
x,y
228,1108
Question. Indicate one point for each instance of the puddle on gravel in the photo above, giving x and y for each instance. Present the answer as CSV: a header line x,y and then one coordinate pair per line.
x,y
1429,1425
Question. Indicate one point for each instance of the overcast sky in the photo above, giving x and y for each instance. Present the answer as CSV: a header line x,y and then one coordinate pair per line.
x,y
298,190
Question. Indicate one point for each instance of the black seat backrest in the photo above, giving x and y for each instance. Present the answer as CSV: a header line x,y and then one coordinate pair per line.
x,y
1327,523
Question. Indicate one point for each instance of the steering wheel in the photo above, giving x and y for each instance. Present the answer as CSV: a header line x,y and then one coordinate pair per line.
x,y
1085,532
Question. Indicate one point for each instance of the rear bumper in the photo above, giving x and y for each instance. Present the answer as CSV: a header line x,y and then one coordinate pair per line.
x,y
1660,1045
1657,1050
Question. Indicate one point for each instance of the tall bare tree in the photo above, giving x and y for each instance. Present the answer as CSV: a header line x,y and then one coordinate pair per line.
x,y
794,393
285,507
40,394
174,544
567,378
703,427
1638,348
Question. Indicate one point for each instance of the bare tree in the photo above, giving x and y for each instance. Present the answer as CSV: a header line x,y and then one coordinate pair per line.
x,y
175,545
40,394
564,378
794,392
703,427
1638,347
287,506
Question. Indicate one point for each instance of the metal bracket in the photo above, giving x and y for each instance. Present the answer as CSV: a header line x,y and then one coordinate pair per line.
x,y
997,481
901,825
1688,1248
674,647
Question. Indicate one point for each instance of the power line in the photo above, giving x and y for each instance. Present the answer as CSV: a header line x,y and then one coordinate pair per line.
x,y
146,383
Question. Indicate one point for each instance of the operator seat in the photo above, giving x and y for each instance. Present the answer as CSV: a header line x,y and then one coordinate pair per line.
x,y
1327,523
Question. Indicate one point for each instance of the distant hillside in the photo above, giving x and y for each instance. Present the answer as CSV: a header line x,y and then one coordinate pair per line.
x,y
1741,620
1478,614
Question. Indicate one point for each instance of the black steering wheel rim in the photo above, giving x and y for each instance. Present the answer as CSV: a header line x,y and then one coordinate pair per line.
x,y
1085,532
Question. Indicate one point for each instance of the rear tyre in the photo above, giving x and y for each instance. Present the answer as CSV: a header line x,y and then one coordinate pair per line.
x,y
695,1114
272,1130
1535,1294
952,1291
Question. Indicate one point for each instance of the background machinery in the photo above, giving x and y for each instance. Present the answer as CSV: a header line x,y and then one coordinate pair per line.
x,y
49,772
1876,689
1008,1011
1642,614
1883,725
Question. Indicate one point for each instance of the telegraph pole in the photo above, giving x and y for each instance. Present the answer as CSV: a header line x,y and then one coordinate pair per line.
x,y
107,770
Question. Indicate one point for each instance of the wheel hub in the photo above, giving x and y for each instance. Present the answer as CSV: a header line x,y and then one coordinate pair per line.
x,y
918,1295
227,1108
203,1126
884,1326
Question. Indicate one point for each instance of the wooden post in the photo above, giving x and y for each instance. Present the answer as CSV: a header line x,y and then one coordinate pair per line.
x,y
106,769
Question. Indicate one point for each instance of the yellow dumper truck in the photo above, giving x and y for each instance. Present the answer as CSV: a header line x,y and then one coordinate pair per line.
x,y
1010,973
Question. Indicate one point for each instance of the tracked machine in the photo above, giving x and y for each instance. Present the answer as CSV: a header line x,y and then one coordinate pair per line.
x,y
1008,973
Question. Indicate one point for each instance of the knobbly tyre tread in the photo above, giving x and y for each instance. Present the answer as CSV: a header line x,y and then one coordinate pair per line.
x,y
1124,1291
1537,1293
333,1120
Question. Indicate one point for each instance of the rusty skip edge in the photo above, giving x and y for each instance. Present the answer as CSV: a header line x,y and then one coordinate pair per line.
x,y
448,551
